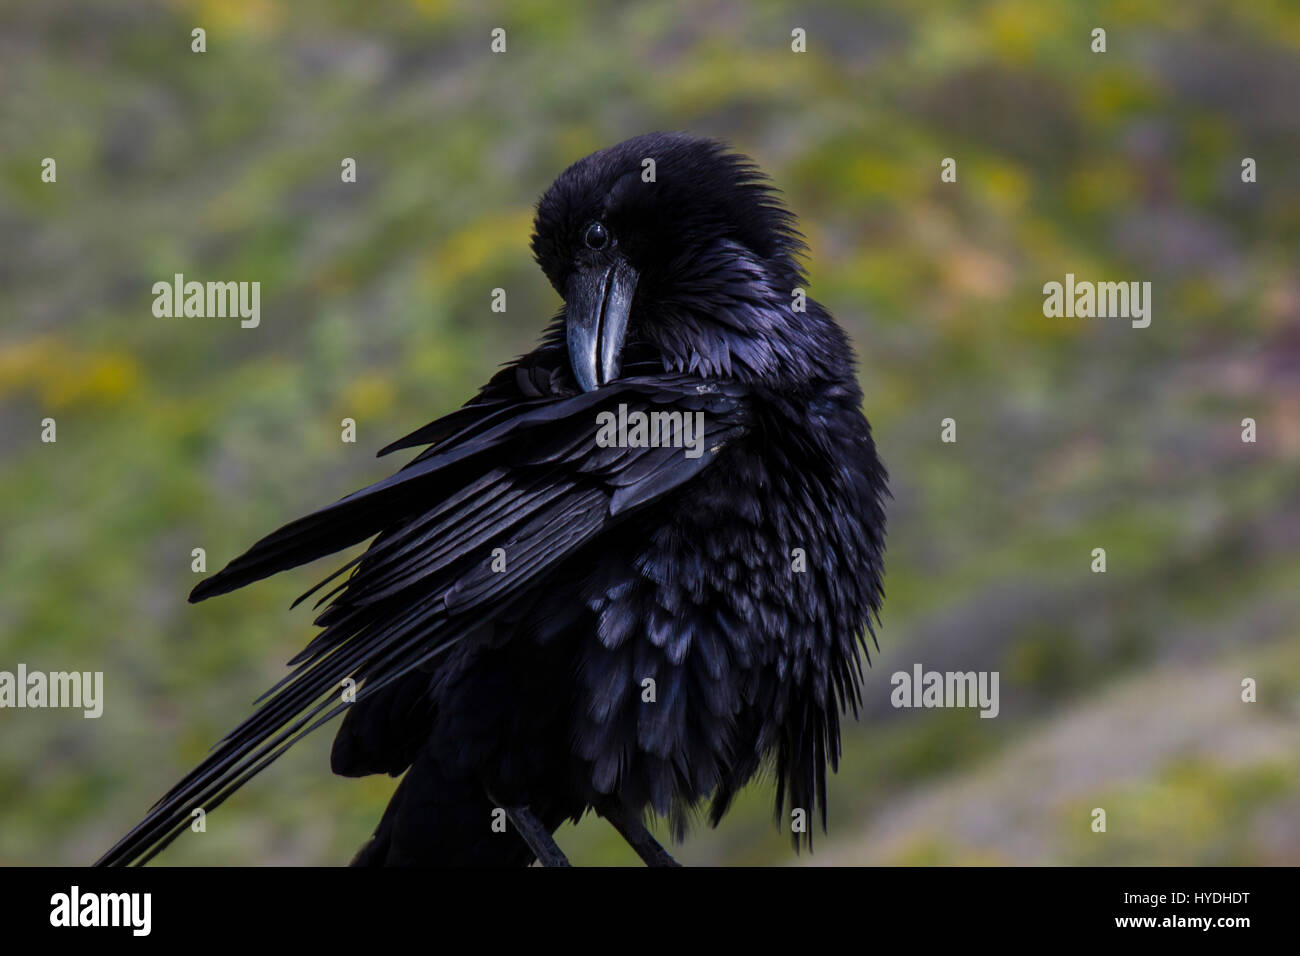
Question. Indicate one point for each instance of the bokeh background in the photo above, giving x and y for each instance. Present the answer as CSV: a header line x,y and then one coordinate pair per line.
x,y
1119,690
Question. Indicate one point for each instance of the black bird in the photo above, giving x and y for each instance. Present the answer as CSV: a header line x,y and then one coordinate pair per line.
x,y
548,621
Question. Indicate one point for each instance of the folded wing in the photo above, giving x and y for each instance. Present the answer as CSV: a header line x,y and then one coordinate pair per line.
x,y
519,468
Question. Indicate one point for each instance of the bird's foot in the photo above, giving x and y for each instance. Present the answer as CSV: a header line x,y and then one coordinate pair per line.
x,y
537,837
632,830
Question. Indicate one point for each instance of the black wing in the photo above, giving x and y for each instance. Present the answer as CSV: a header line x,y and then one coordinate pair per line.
x,y
517,468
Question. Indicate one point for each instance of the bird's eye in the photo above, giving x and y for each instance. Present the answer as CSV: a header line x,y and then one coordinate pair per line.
x,y
597,236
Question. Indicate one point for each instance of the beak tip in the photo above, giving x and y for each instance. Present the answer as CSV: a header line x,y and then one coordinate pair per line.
x,y
598,304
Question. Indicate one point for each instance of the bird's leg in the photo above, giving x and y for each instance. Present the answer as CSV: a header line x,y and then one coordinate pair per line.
x,y
632,830
537,837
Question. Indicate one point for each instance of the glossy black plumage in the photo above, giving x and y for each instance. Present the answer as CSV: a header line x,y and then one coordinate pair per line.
x,y
523,687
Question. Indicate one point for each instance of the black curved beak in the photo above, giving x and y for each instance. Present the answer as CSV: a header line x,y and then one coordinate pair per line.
x,y
597,305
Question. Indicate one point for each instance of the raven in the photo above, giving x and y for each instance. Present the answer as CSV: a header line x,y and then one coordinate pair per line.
x,y
553,619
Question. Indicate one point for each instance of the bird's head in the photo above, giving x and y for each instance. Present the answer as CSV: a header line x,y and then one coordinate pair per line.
x,y
673,244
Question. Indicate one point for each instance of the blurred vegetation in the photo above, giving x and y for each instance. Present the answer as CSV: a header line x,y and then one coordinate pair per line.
x,y
1119,690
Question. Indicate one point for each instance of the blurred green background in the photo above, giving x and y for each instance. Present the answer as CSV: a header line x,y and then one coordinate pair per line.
x,y
1119,690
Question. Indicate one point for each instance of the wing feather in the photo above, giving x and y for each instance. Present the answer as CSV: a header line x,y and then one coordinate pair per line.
x,y
526,476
